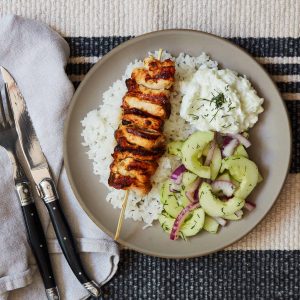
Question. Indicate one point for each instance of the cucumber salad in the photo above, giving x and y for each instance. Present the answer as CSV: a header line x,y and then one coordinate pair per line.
x,y
210,186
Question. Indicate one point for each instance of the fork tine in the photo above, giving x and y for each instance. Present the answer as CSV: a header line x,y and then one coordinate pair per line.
x,y
2,112
10,114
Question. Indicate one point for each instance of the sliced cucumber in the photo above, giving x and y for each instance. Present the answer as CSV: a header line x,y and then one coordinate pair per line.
x,y
244,171
240,150
170,200
193,225
260,178
233,217
206,149
166,222
192,151
215,164
235,182
174,148
189,228
188,178
210,224
214,207
182,198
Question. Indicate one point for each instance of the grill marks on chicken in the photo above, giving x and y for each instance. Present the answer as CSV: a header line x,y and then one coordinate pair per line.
x,y
142,121
144,138
146,106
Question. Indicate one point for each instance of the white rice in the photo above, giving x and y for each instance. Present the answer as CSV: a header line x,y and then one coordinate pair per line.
x,y
100,124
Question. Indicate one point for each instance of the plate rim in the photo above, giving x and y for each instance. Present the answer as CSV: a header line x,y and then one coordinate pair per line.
x,y
66,162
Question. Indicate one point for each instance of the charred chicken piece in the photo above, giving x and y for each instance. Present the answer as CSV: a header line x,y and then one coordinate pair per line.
x,y
135,169
140,137
142,121
119,181
157,75
156,106
137,153
134,87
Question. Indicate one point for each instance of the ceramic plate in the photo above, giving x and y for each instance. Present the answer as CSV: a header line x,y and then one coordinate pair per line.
x,y
271,142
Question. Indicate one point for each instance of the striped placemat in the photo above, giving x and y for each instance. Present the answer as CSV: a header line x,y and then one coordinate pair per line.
x,y
266,263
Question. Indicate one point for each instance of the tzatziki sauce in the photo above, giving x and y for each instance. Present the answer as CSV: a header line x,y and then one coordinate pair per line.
x,y
220,100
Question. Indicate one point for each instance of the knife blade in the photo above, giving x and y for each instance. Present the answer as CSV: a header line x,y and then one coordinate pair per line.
x,y
45,185
30,145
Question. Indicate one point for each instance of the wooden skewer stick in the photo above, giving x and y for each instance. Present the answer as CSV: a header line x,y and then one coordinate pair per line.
x,y
121,217
125,199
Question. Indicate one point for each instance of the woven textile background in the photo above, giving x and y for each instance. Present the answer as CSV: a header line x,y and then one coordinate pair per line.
x,y
266,263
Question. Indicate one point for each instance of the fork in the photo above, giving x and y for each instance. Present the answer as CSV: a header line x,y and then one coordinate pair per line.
x,y
36,238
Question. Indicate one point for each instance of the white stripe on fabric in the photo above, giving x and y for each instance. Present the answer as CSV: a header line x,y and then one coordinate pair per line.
x,y
278,60
229,18
291,96
286,78
83,59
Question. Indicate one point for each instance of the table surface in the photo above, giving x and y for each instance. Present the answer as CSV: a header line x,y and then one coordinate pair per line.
x,y
266,263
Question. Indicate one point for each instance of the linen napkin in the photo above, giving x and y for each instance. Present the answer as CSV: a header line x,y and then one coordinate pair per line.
x,y
36,56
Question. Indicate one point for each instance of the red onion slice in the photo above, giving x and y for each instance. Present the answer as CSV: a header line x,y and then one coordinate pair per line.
x,y
249,206
221,221
229,148
226,139
192,190
181,218
245,142
210,153
177,174
227,187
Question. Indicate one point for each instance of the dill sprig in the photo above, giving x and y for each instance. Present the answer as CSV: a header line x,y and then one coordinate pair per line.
x,y
218,100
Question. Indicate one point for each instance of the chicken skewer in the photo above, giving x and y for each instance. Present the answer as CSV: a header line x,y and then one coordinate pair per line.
x,y
140,140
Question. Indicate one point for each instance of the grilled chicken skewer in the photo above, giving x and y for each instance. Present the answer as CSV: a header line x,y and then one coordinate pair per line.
x,y
140,141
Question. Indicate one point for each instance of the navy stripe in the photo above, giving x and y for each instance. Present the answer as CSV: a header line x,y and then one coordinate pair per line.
x,y
78,69
282,69
76,84
94,46
288,87
294,114
269,47
263,47
227,275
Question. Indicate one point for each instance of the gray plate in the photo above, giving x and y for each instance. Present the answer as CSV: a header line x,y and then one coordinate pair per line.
x,y
271,142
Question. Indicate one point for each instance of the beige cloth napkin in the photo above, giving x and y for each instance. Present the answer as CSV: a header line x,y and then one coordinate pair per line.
x,y
36,56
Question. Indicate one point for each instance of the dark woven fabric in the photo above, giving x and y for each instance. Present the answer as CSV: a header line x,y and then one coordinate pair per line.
x,y
94,46
225,275
269,47
261,47
282,69
232,275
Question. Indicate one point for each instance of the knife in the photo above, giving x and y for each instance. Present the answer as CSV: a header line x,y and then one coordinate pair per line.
x,y
45,185
35,234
